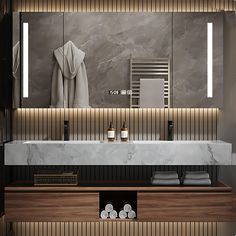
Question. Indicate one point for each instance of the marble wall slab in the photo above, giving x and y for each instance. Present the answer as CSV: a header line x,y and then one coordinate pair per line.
x,y
108,39
45,35
190,60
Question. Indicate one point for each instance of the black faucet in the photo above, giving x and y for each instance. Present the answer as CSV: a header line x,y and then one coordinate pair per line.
x,y
170,130
66,130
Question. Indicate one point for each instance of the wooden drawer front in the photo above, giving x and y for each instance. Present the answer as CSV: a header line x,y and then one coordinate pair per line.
x,y
185,206
234,207
51,206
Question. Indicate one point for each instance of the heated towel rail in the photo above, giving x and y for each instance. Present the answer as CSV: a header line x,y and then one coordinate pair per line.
x,y
158,68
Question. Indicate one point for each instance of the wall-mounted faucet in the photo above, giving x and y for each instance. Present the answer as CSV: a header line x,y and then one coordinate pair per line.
x,y
66,130
170,130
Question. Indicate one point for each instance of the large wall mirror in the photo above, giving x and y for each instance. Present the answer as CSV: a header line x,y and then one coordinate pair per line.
x,y
112,60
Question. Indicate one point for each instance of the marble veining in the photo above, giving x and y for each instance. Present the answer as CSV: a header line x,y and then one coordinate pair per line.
x,y
118,153
108,40
190,60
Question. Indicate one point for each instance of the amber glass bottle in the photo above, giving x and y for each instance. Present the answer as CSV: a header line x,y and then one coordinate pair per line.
x,y
124,132
111,133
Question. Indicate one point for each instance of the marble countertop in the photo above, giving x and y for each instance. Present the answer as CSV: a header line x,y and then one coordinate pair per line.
x,y
118,153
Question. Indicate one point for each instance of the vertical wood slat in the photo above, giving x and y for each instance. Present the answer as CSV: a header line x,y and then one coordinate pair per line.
x,y
115,228
110,173
122,5
2,226
91,124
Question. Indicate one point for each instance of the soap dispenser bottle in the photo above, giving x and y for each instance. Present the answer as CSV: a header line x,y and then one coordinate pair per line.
x,y
111,133
124,132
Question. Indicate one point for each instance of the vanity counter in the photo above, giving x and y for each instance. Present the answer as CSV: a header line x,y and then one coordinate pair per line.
x,y
118,153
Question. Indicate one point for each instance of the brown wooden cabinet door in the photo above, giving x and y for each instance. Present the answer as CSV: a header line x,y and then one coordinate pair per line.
x,y
51,206
234,207
184,206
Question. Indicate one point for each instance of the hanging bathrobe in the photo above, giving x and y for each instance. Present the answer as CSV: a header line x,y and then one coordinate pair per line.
x,y
16,75
69,78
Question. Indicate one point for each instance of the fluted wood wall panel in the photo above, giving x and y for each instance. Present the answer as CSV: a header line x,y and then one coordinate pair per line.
x,y
115,228
2,180
110,174
5,6
123,5
2,226
91,124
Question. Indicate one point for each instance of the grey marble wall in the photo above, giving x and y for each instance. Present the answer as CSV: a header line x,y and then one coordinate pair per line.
x,y
45,35
108,39
190,60
15,27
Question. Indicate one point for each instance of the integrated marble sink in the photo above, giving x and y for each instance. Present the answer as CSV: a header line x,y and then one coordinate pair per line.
x,y
138,152
173,142
116,142
62,142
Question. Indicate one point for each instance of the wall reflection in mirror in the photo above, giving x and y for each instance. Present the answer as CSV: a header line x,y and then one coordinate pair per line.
x,y
94,60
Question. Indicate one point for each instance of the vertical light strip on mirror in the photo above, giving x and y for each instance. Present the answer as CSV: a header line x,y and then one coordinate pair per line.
x,y
209,60
25,60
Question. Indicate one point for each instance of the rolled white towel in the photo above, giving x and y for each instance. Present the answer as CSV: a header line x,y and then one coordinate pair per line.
x,y
104,214
127,207
197,182
122,214
165,175
196,175
131,214
113,214
109,207
165,181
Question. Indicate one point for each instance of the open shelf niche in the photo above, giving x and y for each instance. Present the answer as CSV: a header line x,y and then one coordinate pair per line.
x,y
118,199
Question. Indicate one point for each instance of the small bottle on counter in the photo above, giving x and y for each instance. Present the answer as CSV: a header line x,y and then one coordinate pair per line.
x,y
124,132
111,133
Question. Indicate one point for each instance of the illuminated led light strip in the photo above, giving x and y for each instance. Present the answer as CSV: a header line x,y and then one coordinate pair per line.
x,y
209,60
25,60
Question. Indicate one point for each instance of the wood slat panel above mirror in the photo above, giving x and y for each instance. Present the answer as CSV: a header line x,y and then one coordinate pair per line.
x,y
123,6
91,124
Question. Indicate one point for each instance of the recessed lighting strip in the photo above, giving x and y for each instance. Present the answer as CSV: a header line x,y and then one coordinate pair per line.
x,y
25,60
210,60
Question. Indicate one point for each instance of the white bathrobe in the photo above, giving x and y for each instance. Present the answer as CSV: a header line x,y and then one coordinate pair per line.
x,y
16,75
69,78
